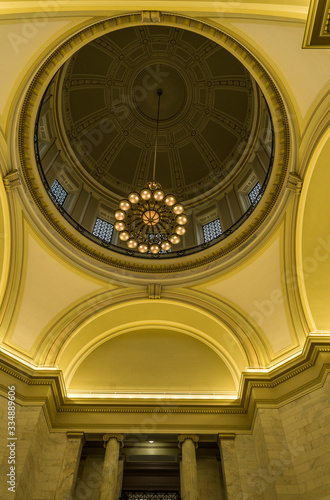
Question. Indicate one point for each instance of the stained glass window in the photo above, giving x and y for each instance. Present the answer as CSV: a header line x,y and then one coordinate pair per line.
x,y
212,230
255,194
103,230
58,193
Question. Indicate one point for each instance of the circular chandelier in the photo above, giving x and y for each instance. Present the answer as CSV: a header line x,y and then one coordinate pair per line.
x,y
151,221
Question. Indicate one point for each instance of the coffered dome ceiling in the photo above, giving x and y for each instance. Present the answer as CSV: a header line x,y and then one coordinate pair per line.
x,y
96,134
109,99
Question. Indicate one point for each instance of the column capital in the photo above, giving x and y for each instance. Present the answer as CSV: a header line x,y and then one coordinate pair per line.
x,y
183,437
119,437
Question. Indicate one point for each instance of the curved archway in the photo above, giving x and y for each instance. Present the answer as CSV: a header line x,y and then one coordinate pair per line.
x,y
5,241
154,359
313,238
78,339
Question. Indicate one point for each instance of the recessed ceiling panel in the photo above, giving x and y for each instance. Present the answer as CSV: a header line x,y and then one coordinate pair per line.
x,y
90,60
220,139
93,99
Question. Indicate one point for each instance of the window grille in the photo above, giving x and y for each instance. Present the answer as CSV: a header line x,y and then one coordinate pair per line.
x,y
255,194
103,230
58,193
212,230
149,495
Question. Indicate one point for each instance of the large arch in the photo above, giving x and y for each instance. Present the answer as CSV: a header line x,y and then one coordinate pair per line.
x,y
83,334
154,359
313,237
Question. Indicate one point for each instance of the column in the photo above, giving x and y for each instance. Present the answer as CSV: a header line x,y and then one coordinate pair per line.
x,y
109,487
226,443
188,473
120,477
70,465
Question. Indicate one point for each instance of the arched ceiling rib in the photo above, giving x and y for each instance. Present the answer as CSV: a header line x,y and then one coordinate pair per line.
x,y
313,255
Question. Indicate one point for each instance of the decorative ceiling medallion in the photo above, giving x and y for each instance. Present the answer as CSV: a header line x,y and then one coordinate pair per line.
x,y
34,184
174,89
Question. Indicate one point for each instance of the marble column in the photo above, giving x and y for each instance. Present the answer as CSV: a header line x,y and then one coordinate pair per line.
x,y
188,473
70,465
109,486
120,476
226,443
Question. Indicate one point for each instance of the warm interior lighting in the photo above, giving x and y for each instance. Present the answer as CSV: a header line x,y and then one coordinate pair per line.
x,y
150,220
150,217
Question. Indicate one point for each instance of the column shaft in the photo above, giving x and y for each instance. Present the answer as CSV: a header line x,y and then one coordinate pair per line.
x,y
120,478
109,486
189,485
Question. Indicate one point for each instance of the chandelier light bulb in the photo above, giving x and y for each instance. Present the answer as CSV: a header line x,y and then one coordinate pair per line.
x,y
151,217
170,200
120,215
120,226
123,235
132,243
181,219
180,230
125,205
175,239
145,194
166,245
143,248
178,209
159,195
154,248
134,198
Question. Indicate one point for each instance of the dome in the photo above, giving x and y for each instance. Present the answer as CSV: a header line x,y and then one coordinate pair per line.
x,y
96,133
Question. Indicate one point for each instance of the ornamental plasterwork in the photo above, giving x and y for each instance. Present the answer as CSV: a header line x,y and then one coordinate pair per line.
x,y
192,437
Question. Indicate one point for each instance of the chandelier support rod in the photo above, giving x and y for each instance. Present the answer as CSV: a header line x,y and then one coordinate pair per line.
x,y
159,92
